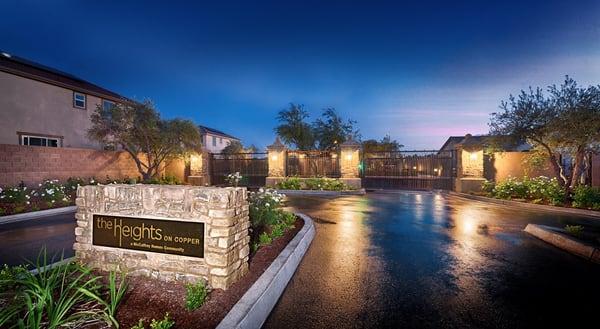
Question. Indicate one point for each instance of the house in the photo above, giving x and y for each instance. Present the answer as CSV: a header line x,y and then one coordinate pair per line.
x,y
484,140
213,140
42,106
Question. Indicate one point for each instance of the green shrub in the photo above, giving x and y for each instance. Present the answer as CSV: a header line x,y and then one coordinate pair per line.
x,y
265,239
195,295
50,297
586,197
9,276
115,295
546,189
18,195
575,230
539,189
165,323
511,188
315,184
488,187
52,192
74,182
263,207
291,183
164,180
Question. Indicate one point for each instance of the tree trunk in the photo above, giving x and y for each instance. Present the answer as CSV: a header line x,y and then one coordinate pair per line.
x,y
577,170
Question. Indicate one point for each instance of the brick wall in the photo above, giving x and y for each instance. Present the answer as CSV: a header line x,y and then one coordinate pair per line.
x,y
32,164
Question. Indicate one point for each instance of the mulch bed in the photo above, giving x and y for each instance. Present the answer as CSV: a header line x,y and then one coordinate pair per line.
x,y
149,299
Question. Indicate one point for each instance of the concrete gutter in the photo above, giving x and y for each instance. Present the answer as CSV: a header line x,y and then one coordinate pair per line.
x,y
36,214
564,242
532,206
252,310
53,265
322,193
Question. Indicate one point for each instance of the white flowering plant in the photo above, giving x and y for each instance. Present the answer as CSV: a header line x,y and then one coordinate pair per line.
x,y
267,218
234,178
17,195
538,189
52,192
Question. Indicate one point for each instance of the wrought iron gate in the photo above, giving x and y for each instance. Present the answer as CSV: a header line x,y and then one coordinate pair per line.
x,y
422,170
253,167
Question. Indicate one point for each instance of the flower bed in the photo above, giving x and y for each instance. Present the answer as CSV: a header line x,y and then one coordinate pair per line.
x,y
96,299
313,184
543,190
54,194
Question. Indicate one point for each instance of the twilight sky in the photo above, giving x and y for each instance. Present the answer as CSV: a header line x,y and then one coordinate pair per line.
x,y
419,71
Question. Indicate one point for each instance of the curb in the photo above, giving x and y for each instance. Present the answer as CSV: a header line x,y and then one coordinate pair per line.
x,y
36,214
563,241
252,310
322,193
532,206
53,265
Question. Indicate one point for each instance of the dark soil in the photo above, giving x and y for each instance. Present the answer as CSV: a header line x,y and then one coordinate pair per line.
x,y
149,299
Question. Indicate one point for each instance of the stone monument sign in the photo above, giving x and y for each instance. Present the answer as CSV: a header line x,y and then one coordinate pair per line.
x,y
168,232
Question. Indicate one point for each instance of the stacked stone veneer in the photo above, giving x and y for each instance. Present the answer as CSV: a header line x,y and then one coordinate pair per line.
x,y
223,210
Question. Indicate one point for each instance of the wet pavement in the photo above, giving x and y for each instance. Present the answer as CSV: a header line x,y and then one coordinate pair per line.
x,y
409,259
23,241
423,260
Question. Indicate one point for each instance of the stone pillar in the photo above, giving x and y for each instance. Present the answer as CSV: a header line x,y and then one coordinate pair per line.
x,y
470,164
349,162
200,169
277,156
224,212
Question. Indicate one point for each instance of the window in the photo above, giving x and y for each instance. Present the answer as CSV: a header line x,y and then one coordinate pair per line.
x,y
39,141
220,140
78,100
107,105
214,141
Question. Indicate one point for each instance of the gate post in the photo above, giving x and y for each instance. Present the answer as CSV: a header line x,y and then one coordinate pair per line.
x,y
277,156
469,165
349,162
199,169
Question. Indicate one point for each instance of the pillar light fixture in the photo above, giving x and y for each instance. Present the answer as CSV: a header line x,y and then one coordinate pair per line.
x,y
349,156
473,156
274,157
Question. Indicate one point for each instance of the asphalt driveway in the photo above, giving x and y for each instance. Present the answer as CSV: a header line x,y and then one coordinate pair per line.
x,y
422,260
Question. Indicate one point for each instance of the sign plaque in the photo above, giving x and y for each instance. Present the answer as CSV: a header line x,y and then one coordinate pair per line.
x,y
149,234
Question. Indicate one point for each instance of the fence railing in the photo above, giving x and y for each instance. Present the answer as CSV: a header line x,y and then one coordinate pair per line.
x,y
428,169
253,167
313,164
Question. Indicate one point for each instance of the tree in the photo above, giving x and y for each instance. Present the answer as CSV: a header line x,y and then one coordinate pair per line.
x,y
385,145
565,122
576,130
293,129
330,130
138,129
236,147
233,147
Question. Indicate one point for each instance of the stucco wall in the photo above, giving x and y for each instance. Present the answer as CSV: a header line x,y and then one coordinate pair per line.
x,y
35,107
502,165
